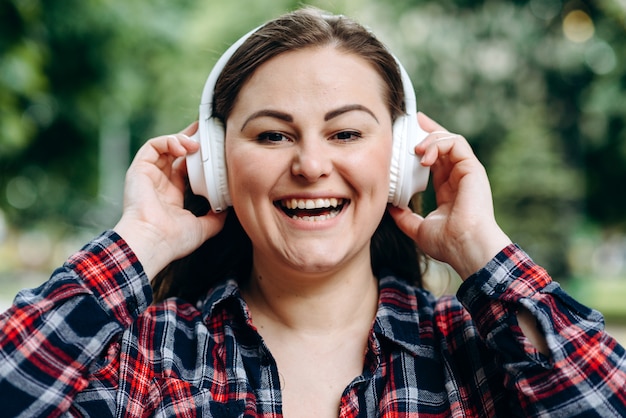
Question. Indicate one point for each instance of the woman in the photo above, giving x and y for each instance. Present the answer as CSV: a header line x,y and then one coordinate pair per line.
x,y
304,299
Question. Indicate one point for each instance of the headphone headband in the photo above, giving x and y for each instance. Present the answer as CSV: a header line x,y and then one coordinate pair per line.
x,y
207,167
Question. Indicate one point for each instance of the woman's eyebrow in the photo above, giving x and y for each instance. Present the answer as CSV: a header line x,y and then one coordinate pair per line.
x,y
348,108
268,113
328,116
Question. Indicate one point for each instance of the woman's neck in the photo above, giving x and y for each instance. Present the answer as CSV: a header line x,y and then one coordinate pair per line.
x,y
312,302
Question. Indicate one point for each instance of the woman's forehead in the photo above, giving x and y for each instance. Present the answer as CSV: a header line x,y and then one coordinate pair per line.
x,y
325,74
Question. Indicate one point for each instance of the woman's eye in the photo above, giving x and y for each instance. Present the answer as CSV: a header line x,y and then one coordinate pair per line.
x,y
271,137
347,136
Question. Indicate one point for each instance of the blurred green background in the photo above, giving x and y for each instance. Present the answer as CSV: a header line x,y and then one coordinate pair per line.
x,y
538,87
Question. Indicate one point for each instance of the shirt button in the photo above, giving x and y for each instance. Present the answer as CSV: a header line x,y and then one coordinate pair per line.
x,y
131,305
265,360
499,288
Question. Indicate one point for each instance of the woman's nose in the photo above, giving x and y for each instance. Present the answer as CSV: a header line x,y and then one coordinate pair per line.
x,y
312,160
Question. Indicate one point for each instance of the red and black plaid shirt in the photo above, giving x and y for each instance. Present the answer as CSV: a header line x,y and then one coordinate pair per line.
x,y
88,342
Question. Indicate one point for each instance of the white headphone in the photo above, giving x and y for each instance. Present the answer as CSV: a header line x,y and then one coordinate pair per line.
x,y
207,167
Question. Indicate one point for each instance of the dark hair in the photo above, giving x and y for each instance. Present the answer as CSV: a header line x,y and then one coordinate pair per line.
x,y
305,28
229,253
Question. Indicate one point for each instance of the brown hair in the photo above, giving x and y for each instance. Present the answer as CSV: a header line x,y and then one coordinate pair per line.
x,y
229,253
305,28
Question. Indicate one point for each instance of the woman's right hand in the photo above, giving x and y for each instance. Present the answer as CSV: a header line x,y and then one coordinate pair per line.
x,y
462,231
154,222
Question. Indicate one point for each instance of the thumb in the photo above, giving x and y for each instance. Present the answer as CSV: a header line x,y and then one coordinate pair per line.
x,y
211,224
408,221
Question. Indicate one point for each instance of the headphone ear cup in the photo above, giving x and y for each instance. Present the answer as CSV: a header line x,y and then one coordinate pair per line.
x,y
206,168
407,175
219,195
399,135
195,168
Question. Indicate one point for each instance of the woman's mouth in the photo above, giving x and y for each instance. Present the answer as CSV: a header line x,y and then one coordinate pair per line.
x,y
312,210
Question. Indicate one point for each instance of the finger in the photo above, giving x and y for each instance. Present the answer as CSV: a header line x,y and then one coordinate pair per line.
x,y
211,223
435,132
189,144
452,146
184,136
179,173
191,129
408,221
428,124
435,136
177,145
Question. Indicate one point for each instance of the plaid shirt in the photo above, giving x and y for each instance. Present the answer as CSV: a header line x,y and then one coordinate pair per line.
x,y
89,342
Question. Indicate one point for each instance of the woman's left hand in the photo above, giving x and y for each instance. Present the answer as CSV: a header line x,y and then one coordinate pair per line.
x,y
155,222
462,231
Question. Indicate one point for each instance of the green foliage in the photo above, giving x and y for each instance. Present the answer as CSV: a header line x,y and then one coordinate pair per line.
x,y
539,93
61,64
537,193
84,83
537,90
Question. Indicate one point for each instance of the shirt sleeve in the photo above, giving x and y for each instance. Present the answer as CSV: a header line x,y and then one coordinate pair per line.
x,y
52,334
585,371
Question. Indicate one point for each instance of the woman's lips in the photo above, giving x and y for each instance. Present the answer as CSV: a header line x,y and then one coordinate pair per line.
x,y
312,210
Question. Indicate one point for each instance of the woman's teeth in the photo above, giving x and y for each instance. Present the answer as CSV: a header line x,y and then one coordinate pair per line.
x,y
314,210
312,203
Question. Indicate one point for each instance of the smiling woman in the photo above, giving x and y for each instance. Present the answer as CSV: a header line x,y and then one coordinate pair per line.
x,y
304,298
318,105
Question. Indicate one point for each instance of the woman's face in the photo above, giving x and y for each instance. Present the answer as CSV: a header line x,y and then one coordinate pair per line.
x,y
308,151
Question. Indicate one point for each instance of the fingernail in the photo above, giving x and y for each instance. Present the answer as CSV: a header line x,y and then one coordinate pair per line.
x,y
424,115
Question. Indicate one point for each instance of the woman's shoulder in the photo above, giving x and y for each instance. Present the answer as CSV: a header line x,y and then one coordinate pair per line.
x,y
400,292
401,296
172,309
176,315
410,310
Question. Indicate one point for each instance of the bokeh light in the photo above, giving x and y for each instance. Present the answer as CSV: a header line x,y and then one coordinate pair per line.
x,y
21,192
578,26
545,9
600,57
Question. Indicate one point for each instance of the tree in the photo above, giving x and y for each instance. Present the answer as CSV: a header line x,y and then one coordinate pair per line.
x,y
65,67
537,89
84,83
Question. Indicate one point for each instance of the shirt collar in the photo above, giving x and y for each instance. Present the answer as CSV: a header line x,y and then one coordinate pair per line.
x,y
400,308
228,290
